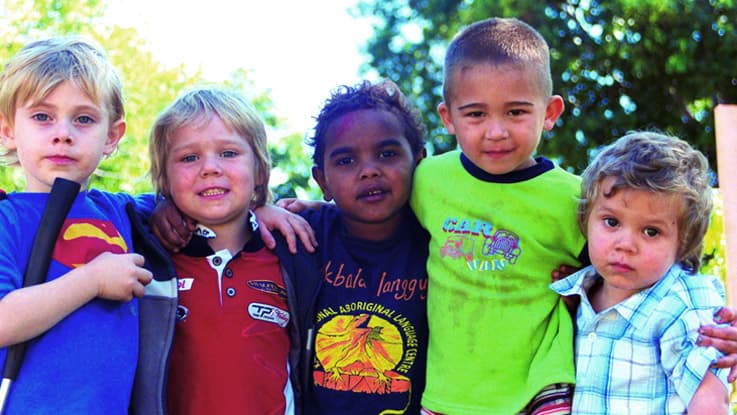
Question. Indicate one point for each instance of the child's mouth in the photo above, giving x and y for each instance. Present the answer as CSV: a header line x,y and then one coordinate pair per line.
x,y
60,159
213,192
373,195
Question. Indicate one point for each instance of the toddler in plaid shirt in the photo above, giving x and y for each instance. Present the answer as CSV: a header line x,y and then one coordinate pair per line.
x,y
645,207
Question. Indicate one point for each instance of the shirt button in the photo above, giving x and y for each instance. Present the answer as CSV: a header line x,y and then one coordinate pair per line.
x,y
230,292
217,261
229,273
592,337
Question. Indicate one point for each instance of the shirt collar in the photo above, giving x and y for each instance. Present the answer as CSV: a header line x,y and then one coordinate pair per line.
x,y
198,246
635,309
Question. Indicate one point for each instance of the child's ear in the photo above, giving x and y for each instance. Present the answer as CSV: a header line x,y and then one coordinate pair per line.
x,y
445,116
114,135
319,177
420,156
553,111
6,134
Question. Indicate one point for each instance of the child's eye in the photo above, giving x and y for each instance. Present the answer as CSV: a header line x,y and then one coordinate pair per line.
x,y
41,117
611,222
85,119
343,161
651,232
475,114
387,154
189,158
517,112
228,154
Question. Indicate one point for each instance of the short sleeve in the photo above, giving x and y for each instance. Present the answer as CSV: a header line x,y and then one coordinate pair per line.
x,y
14,243
11,275
685,363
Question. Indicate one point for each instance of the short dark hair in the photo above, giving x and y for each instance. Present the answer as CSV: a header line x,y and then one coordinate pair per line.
x,y
499,41
383,96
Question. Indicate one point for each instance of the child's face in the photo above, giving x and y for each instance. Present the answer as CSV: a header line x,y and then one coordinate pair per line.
x,y
65,135
633,238
368,168
498,114
211,173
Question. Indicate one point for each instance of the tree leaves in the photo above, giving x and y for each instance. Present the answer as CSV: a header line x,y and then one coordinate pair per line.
x,y
619,65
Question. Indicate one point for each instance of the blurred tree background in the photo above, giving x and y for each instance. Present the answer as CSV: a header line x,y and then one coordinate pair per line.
x,y
148,87
619,65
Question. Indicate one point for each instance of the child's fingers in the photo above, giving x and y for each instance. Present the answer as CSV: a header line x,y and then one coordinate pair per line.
x,y
290,234
169,239
292,226
284,203
726,315
138,259
305,232
191,224
291,204
182,227
563,271
144,276
138,290
266,235
728,361
723,337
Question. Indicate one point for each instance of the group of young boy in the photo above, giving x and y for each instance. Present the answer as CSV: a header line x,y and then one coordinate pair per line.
x,y
425,288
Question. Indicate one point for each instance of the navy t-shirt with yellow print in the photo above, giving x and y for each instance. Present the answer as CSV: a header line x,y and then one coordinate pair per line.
x,y
370,324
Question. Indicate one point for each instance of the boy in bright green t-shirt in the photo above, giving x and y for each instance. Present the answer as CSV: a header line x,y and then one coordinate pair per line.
x,y
498,219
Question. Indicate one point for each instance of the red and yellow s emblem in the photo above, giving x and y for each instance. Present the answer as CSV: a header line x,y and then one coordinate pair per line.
x,y
81,240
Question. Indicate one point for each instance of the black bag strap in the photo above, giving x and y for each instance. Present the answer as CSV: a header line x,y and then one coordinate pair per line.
x,y
57,206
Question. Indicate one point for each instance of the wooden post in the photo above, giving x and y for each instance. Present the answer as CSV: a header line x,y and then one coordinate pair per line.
x,y
725,122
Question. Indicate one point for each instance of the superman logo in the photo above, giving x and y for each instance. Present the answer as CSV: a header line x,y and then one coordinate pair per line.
x,y
81,240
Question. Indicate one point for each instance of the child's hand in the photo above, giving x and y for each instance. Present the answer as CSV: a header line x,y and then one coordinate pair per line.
x,y
119,276
172,229
290,225
571,301
298,205
563,271
724,338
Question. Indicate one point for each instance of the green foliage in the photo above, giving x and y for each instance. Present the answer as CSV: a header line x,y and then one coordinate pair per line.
x,y
149,87
619,65
292,169
714,255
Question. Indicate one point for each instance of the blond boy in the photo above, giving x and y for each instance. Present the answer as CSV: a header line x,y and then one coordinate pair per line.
x,y
61,111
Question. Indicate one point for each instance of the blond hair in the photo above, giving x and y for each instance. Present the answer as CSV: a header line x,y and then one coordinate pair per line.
x,y
196,107
42,65
655,162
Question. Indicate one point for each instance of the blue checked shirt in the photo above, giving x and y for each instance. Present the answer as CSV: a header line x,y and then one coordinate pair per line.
x,y
639,357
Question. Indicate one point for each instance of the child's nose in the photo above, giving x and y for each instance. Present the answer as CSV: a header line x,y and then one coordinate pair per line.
x,y
625,241
369,169
496,130
63,134
66,139
211,166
